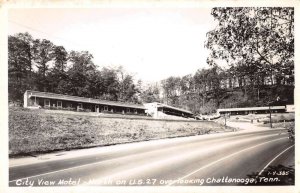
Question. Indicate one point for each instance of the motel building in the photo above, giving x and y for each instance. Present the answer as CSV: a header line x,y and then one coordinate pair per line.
x,y
36,99
157,110
252,110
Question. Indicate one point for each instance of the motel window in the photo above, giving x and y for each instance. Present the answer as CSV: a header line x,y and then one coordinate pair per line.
x,y
128,110
105,108
47,103
59,104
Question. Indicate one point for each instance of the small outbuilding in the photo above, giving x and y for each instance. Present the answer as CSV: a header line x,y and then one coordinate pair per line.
x,y
155,109
252,110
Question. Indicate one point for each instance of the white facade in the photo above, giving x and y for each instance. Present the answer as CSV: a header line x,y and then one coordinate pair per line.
x,y
151,109
290,108
25,100
159,110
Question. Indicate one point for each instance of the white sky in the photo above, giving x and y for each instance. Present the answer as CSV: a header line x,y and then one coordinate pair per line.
x,y
151,43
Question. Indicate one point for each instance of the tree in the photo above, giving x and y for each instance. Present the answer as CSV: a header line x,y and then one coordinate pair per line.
x,y
28,50
19,65
188,98
60,56
110,84
81,72
201,85
43,54
171,88
58,76
150,93
127,89
187,84
262,38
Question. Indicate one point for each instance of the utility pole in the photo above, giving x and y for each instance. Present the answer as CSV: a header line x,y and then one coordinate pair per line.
x,y
273,103
270,115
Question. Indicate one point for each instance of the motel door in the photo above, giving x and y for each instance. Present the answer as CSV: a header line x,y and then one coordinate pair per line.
x,y
97,108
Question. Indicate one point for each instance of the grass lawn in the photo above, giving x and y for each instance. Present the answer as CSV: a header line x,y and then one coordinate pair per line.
x,y
38,131
264,118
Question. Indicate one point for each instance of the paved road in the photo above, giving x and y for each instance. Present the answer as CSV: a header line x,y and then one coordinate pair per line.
x,y
217,159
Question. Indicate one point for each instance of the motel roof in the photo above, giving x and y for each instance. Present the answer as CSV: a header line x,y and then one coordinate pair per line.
x,y
251,108
49,95
174,108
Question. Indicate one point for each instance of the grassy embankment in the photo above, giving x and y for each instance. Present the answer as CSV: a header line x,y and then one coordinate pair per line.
x,y
279,120
37,131
265,118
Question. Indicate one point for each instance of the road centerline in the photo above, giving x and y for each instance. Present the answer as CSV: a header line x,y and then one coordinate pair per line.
x,y
224,158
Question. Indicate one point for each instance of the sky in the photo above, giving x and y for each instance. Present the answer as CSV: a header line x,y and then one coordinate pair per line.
x,y
150,43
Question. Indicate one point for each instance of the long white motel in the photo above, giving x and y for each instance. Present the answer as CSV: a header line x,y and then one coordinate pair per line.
x,y
66,102
252,110
47,100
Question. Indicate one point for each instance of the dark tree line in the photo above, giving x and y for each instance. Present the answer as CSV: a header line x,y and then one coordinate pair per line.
x,y
40,65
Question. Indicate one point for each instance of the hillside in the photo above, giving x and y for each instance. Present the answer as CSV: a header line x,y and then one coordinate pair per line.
x,y
37,131
248,97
